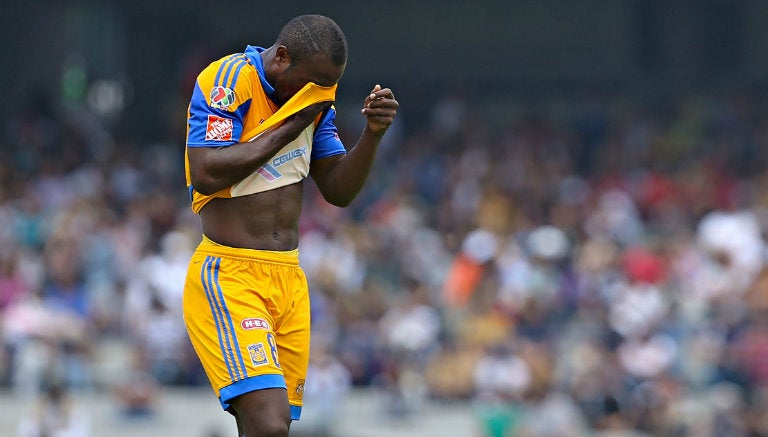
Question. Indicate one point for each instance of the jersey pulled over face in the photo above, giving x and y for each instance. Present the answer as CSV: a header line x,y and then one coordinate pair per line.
x,y
319,70
232,103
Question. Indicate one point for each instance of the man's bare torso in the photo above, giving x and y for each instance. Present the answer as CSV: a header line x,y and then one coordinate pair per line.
x,y
267,221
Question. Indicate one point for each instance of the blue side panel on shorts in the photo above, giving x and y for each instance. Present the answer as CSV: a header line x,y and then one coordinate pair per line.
x,y
205,278
230,323
210,270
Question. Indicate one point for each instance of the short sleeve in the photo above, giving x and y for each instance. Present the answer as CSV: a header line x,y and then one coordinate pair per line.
x,y
218,105
326,140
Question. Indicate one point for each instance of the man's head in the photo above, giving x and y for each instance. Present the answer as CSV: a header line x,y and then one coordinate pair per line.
x,y
309,48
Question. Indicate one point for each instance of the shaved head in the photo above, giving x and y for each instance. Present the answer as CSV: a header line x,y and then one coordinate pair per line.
x,y
309,35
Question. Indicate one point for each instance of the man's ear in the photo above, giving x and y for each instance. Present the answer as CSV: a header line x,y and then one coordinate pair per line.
x,y
282,57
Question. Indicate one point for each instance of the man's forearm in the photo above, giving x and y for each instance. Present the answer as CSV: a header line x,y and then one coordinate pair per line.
x,y
223,167
350,173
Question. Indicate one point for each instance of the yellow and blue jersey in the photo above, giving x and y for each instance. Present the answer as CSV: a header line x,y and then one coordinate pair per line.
x,y
232,103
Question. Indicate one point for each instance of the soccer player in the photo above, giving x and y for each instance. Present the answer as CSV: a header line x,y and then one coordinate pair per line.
x,y
260,122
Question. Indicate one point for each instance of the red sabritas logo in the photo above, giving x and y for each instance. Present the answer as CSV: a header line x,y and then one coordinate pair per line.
x,y
218,129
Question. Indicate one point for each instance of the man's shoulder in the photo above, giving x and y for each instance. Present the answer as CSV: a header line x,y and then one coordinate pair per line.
x,y
228,82
226,70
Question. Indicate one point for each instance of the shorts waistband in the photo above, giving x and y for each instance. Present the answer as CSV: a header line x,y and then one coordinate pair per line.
x,y
210,247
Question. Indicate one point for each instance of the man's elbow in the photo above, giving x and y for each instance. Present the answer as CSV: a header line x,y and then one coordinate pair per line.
x,y
339,201
204,186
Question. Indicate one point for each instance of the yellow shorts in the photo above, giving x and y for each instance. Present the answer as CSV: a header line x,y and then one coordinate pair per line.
x,y
247,315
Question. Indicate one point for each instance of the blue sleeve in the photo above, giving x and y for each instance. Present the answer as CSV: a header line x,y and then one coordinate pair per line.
x,y
213,127
326,141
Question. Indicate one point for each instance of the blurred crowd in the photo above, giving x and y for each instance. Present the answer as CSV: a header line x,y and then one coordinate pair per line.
x,y
584,267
